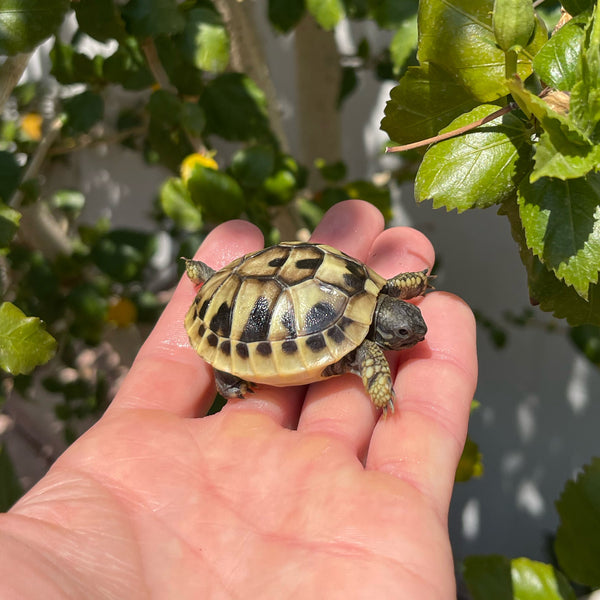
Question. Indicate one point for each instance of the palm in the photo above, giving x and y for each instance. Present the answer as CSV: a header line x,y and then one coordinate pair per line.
x,y
291,493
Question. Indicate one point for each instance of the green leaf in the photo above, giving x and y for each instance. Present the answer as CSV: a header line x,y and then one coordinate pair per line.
x,y
100,19
252,165
24,343
534,580
332,172
70,66
471,462
9,224
88,302
10,488
182,74
236,108
25,23
390,14
192,118
425,100
11,175
513,22
69,201
479,168
219,195
488,577
585,95
284,15
552,294
577,543
404,43
495,577
327,13
178,206
559,158
574,7
561,220
556,62
457,35
165,132
348,84
206,40
123,253
587,339
563,151
149,18
83,111
127,66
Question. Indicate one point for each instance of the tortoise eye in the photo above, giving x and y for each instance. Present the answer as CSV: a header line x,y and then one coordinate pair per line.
x,y
402,332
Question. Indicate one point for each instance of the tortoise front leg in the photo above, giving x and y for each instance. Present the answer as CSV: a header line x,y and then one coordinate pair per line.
x,y
408,285
230,386
370,364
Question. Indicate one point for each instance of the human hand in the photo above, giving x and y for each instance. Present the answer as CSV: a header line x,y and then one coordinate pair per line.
x,y
298,492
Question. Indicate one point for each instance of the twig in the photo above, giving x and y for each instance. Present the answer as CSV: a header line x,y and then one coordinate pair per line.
x,y
87,141
160,75
454,132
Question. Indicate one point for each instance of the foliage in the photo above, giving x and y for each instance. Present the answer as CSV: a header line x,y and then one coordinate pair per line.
x,y
576,547
537,159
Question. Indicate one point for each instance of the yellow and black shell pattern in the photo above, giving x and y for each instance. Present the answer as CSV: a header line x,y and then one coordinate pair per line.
x,y
279,316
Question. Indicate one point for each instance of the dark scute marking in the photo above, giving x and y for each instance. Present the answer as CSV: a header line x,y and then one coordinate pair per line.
x,y
195,311
264,348
316,342
354,283
225,347
212,340
203,308
221,321
289,347
354,268
309,263
319,317
288,321
242,350
344,322
336,334
259,321
201,330
278,262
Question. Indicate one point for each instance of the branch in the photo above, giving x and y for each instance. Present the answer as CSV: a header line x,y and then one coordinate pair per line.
x,y
11,72
247,56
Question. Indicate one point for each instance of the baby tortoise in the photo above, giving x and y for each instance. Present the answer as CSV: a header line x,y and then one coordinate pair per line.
x,y
296,313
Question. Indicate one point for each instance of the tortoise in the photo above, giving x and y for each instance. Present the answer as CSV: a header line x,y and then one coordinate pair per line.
x,y
300,312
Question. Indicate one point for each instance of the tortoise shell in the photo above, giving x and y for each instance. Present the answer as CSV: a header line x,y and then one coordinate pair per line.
x,y
281,315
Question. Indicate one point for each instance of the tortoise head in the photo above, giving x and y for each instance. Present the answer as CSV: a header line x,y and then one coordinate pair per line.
x,y
397,324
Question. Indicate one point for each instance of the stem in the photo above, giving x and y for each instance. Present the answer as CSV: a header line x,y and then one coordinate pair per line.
x,y
454,132
510,63
10,73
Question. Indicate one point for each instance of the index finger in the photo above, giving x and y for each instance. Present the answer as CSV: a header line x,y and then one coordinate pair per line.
x,y
167,373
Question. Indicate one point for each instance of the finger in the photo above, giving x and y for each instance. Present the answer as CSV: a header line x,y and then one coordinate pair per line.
x,y
167,373
349,226
339,407
422,441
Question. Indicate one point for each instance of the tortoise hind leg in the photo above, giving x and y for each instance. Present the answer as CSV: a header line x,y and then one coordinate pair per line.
x,y
230,386
197,271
